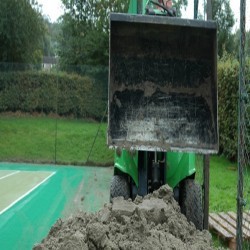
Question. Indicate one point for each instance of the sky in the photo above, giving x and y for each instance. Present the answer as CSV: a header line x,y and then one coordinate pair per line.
x,y
235,6
51,8
54,9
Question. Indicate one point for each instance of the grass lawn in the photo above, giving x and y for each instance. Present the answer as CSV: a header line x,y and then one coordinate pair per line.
x,y
223,184
44,139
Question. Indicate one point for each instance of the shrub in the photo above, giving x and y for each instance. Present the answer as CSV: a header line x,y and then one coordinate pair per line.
x,y
56,92
228,84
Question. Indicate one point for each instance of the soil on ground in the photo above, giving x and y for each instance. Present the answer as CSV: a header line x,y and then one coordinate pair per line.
x,y
153,222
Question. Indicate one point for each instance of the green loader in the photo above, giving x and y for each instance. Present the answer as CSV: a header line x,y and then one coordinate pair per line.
x,y
162,102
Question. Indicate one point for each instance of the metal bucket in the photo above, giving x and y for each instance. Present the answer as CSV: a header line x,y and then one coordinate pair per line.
x,y
163,84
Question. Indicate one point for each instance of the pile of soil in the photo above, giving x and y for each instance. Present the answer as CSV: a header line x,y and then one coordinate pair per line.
x,y
152,222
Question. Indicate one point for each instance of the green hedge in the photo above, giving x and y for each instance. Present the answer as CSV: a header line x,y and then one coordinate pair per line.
x,y
228,82
55,92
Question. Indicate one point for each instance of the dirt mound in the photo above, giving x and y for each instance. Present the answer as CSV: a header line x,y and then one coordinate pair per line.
x,y
152,222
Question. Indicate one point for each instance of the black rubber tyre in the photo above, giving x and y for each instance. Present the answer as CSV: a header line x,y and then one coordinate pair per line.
x,y
191,202
119,187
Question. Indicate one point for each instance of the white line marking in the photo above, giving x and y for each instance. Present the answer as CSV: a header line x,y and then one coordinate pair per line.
x,y
5,176
14,202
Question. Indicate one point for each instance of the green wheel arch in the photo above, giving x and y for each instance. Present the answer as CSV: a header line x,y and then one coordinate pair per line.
x,y
179,165
127,162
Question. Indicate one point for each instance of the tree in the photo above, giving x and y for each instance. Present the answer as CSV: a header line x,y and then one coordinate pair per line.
x,y
236,38
21,32
222,13
50,40
85,31
178,4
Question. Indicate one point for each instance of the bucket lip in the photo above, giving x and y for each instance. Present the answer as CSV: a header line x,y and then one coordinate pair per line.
x,y
132,146
164,20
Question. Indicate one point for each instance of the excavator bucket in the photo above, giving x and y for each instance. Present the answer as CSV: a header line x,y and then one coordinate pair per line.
x,y
163,84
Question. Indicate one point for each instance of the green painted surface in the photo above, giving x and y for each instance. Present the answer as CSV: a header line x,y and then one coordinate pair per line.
x,y
3,173
18,184
139,7
70,189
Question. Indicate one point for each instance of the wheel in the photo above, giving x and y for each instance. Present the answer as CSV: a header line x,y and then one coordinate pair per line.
x,y
119,187
191,202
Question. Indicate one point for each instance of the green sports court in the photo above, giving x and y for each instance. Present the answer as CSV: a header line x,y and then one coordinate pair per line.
x,y
34,196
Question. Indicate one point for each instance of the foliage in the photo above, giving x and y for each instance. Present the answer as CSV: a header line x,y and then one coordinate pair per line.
x,y
85,29
228,75
222,13
236,38
60,93
178,4
21,32
50,44
228,81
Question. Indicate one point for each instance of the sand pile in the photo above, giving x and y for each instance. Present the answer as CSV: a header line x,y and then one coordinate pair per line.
x,y
152,222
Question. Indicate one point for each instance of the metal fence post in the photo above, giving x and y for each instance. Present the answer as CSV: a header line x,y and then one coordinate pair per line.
x,y
241,132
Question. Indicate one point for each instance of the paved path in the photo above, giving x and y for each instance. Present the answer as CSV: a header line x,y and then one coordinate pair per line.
x,y
67,191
